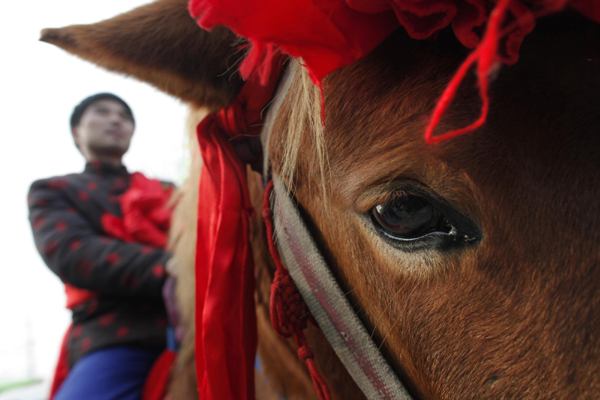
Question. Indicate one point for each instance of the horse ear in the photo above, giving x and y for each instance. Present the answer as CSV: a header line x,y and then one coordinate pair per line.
x,y
160,44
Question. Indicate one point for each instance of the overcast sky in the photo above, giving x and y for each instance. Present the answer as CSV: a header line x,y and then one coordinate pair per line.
x,y
39,85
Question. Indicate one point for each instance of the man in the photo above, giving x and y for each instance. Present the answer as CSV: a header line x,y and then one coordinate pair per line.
x,y
113,286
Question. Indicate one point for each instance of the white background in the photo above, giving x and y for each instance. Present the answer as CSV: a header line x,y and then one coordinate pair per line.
x,y
39,86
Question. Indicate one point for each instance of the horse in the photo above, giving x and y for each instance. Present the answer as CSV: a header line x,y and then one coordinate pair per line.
x,y
491,292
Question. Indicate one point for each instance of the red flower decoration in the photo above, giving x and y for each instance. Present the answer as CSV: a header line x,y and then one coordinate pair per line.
x,y
107,319
131,281
38,222
146,250
122,331
76,332
86,343
83,195
84,268
158,271
58,184
146,218
113,258
50,248
92,307
119,183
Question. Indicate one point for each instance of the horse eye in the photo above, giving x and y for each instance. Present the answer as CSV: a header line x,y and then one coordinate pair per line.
x,y
410,217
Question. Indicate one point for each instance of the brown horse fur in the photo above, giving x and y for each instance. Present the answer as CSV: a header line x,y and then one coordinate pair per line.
x,y
160,44
514,315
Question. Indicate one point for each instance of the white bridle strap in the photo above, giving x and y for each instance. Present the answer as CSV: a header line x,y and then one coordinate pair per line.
x,y
328,304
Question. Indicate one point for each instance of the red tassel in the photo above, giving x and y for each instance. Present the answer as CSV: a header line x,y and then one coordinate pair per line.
x,y
289,313
486,56
306,354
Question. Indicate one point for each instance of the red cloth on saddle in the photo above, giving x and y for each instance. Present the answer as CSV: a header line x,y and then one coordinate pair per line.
x,y
146,217
146,220
226,337
159,376
62,366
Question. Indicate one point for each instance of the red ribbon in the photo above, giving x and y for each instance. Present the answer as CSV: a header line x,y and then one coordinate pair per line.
x,y
226,336
157,381
146,215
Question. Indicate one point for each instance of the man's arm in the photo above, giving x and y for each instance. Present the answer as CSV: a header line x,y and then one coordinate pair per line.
x,y
85,258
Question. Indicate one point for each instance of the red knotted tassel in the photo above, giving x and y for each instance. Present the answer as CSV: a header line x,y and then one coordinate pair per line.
x,y
289,313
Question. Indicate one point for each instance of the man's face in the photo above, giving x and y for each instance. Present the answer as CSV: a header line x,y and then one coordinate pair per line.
x,y
105,130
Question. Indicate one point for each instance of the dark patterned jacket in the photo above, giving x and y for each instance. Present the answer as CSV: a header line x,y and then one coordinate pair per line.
x,y
65,214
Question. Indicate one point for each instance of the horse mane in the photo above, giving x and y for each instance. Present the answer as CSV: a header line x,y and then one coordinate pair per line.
x,y
302,110
300,125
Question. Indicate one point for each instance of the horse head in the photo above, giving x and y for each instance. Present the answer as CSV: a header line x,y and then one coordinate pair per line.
x,y
473,262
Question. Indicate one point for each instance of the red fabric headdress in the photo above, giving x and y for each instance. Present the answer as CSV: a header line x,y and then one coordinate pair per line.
x,y
330,34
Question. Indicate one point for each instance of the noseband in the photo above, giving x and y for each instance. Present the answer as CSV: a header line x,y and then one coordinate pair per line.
x,y
322,294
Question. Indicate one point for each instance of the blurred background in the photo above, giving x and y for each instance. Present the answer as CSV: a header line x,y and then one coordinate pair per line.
x,y
39,86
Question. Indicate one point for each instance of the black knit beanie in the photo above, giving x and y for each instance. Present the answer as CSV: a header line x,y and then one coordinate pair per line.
x,y
85,103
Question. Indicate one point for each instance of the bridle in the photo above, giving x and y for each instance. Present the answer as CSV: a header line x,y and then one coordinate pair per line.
x,y
322,294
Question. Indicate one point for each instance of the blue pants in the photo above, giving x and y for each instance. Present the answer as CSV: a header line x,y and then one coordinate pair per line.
x,y
115,373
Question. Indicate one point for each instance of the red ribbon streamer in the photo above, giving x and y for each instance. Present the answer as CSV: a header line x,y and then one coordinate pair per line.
x,y
226,337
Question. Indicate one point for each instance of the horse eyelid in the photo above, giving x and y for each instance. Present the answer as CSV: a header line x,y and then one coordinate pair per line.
x,y
380,196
